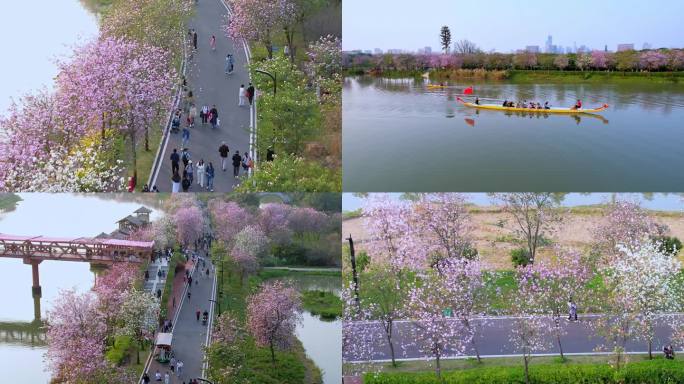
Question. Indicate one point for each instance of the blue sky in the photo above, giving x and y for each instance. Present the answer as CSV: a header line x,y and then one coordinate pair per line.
x,y
512,24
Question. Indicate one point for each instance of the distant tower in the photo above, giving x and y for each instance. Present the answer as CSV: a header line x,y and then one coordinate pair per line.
x,y
549,44
606,48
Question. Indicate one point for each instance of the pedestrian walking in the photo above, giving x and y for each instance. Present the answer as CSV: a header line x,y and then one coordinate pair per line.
x,y
210,177
175,184
185,137
214,117
192,115
200,169
212,42
185,183
250,93
179,368
242,95
237,160
146,378
204,114
572,310
223,152
185,157
246,162
172,364
270,154
175,159
229,64
190,170
157,376
197,314
167,379
194,38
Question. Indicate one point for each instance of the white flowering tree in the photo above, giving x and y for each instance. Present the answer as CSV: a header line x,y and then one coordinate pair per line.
x,y
139,314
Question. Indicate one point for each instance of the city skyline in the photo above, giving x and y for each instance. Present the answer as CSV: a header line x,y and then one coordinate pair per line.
x,y
414,29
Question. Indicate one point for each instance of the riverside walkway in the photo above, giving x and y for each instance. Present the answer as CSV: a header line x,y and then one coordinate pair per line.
x,y
210,85
189,334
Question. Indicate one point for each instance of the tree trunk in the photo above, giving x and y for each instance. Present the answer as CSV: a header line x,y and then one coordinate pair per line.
x,y
472,340
438,368
650,350
560,346
135,155
527,370
272,353
138,353
558,332
147,138
388,334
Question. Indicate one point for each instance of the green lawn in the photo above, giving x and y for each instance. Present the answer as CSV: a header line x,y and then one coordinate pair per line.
x,y
325,305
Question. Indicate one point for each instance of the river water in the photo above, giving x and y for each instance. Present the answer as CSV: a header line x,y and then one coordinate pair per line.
x,y
21,339
399,136
322,340
35,33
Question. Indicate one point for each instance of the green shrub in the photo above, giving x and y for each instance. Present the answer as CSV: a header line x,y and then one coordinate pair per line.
x,y
520,257
645,372
118,352
669,244
323,304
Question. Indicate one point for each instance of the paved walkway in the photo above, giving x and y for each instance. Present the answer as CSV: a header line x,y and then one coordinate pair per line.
x,y
493,340
189,334
154,281
211,86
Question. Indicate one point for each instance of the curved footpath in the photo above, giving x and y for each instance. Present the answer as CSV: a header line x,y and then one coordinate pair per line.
x,y
493,340
211,86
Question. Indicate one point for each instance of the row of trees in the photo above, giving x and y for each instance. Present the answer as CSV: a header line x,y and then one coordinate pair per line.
x,y
108,94
419,270
626,61
302,122
82,327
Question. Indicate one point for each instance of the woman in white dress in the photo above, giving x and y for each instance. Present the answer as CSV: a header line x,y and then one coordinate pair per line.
x,y
201,174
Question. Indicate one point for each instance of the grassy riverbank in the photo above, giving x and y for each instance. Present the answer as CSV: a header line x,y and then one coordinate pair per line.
x,y
534,76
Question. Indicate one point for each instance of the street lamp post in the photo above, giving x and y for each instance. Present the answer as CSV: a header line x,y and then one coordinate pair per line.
x,y
355,276
272,76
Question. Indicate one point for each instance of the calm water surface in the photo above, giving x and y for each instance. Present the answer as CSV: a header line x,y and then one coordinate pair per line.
x,y
399,136
22,341
322,340
35,32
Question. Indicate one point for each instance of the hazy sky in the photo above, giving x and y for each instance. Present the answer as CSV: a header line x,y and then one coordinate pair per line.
x,y
512,24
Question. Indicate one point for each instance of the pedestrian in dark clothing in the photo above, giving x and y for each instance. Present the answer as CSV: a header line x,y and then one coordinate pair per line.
x,y
194,38
250,93
197,314
237,160
210,177
186,183
223,152
146,378
175,159
185,156
270,154
214,117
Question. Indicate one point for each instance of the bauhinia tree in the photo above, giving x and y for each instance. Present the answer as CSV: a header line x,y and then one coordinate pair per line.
x,y
444,226
229,218
76,334
434,330
252,241
257,20
625,223
272,316
534,213
139,314
274,221
383,298
189,224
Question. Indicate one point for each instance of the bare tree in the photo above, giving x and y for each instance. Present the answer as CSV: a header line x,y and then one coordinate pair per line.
x,y
445,36
465,47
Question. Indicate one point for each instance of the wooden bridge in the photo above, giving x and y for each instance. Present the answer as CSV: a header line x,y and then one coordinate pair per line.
x,y
34,250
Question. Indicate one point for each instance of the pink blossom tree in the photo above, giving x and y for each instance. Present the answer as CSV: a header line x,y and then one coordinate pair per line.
x,y
530,333
112,288
561,62
246,262
306,220
258,20
435,332
138,317
600,59
227,329
189,224
653,60
76,334
583,61
444,225
273,314
274,221
625,223
117,84
229,218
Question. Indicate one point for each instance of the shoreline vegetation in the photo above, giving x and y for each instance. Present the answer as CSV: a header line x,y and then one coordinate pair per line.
x,y
657,65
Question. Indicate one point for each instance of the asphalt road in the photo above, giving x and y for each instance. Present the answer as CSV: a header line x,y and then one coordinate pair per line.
x,y
211,86
493,340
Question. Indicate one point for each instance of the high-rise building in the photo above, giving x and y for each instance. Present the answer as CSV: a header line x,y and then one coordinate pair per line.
x,y
428,50
549,44
532,48
625,47
377,51
646,46
605,49
568,49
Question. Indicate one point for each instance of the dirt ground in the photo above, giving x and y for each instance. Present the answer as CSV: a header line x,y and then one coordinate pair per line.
x,y
494,243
